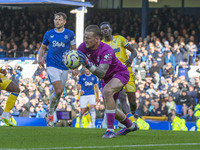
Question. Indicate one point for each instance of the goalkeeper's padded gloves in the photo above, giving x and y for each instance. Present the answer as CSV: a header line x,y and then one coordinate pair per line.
x,y
84,60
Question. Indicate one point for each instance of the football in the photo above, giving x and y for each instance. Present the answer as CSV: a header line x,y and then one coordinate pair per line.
x,y
71,59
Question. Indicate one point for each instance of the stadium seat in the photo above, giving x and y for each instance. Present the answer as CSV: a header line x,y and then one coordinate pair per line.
x,y
194,58
160,72
179,109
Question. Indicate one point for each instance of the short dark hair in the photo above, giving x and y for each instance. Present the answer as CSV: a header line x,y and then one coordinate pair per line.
x,y
61,14
93,28
105,22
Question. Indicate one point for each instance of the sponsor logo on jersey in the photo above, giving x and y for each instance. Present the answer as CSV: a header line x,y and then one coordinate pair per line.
x,y
117,50
88,83
107,57
58,44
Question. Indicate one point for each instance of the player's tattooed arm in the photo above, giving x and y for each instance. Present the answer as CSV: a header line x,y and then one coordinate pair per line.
x,y
101,70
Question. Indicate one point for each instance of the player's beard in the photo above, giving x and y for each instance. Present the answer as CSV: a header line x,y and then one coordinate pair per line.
x,y
59,26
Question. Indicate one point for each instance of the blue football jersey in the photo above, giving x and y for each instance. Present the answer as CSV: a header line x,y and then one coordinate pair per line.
x,y
87,83
58,43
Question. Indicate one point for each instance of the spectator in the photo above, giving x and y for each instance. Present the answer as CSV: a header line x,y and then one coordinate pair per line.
x,y
38,71
168,71
160,59
8,68
178,124
185,100
41,113
141,70
143,125
192,93
190,117
137,60
152,105
25,49
166,47
16,76
175,93
145,111
7,49
2,49
149,61
164,109
156,111
154,68
170,58
178,53
192,49
183,70
171,105
22,97
24,112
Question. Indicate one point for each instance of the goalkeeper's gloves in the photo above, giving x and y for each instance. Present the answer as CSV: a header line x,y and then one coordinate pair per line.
x,y
83,60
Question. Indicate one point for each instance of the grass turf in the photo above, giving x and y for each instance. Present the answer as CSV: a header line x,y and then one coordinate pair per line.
x,y
43,137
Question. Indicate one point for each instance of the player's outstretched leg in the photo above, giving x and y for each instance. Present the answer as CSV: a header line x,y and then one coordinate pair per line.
x,y
12,87
130,126
132,101
124,105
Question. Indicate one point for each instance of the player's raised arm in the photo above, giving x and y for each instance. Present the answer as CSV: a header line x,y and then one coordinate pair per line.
x,y
99,71
133,55
41,60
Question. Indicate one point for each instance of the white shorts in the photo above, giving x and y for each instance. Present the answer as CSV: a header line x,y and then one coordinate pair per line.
x,y
87,99
55,74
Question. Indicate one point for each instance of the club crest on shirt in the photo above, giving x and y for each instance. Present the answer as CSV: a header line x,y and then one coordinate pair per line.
x,y
107,57
66,37
51,36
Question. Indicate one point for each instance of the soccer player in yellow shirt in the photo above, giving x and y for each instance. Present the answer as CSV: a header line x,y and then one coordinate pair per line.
x,y
120,44
10,86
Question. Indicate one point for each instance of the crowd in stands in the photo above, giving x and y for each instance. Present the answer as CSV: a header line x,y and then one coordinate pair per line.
x,y
165,56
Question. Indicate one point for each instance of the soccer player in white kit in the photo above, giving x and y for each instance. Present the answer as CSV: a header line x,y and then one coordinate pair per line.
x,y
58,40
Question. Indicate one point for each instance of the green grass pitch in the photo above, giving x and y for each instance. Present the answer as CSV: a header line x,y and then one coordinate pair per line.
x,y
44,138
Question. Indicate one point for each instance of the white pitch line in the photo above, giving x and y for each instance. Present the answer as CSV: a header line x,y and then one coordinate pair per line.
x,y
94,147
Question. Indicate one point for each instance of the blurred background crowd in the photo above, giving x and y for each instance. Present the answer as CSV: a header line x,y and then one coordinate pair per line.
x,y
165,57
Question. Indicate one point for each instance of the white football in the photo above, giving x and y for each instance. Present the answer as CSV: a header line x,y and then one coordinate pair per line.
x,y
71,59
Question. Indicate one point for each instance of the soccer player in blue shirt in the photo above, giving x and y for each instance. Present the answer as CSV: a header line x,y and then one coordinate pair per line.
x,y
58,40
86,85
